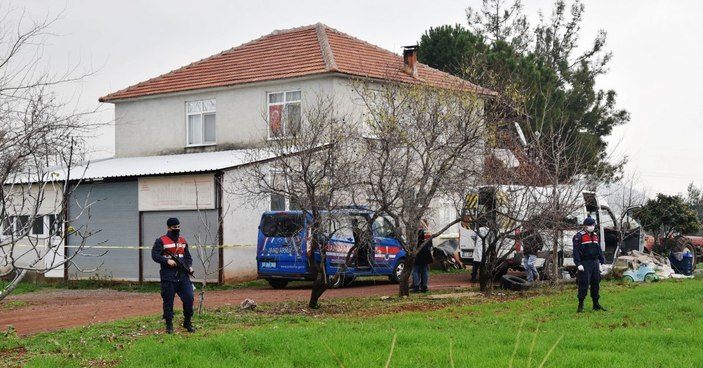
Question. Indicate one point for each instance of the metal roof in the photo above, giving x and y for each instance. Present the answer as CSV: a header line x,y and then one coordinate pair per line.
x,y
159,165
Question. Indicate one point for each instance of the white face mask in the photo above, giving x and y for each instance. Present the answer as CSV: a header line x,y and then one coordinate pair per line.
x,y
590,228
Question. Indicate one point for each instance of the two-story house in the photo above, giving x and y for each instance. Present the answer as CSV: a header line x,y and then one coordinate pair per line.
x,y
178,135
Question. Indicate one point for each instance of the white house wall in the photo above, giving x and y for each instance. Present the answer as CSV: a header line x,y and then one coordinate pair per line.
x,y
24,198
157,125
23,201
240,227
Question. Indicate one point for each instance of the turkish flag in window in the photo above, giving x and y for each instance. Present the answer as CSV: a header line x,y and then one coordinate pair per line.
x,y
275,120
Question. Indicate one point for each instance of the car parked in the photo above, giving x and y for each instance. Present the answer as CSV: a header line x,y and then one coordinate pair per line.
x,y
357,246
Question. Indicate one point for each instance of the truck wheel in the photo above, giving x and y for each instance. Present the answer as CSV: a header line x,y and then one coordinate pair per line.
x,y
627,279
277,283
397,270
649,277
514,283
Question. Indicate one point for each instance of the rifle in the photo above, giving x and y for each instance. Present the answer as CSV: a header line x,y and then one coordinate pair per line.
x,y
179,263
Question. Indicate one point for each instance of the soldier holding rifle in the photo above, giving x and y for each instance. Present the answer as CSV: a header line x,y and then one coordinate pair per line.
x,y
171,252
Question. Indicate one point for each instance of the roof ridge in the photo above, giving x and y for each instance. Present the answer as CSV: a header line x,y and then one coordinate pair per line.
x,y
325,47
362,41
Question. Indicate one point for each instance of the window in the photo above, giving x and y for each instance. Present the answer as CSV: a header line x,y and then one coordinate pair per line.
x,y
278,200
284,114
200,117
383,227
282,225
7,226
607,219
54,224
41,225
38,225
21,224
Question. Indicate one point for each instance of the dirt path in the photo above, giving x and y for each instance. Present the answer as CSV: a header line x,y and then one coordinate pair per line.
x,y
56,310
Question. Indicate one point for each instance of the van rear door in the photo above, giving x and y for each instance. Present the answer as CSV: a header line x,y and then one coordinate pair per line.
x,y
281,244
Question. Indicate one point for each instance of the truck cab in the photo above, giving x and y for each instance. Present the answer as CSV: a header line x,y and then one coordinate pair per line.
x,y
618,235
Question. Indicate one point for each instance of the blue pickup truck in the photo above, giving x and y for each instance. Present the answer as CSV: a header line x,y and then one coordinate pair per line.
x,y
356,246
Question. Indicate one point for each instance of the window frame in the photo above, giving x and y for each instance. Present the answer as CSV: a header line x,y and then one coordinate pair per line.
x,y
272,178
202,115
288,204
284,120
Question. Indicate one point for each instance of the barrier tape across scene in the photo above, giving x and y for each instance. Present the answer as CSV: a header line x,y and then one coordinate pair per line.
x,y
149,247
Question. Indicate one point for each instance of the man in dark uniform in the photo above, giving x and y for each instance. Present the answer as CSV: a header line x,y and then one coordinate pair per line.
x,y
588,257
171,252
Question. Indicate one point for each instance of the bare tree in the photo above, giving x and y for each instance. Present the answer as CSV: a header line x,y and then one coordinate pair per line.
x,y
40,142
313,167
207,251
423,143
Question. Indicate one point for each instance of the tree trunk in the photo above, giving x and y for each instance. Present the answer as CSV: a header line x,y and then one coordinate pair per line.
x,y
12,285
201,299
320,284
318,288
483,278
555,257
404,280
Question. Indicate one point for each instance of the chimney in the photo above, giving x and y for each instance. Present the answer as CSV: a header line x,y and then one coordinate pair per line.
x,y
410,60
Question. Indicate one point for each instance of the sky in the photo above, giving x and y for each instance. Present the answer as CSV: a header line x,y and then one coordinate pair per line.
x,y
655,44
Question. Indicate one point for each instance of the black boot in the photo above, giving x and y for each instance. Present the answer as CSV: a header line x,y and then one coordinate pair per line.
x,y
580,307
188,325
169,326
598,307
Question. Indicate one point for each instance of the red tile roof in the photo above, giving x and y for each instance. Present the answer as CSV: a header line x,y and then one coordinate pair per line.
x,y
296,52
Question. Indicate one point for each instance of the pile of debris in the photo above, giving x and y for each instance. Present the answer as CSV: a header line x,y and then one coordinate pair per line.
x,y
634,259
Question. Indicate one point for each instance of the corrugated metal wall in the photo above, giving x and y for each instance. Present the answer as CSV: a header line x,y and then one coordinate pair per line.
x,y
108,215
197,228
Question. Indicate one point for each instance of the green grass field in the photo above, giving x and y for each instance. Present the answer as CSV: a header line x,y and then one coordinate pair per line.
x,y
648,325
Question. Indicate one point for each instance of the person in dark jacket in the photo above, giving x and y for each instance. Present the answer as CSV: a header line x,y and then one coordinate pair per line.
x,y
588,257
423,259
171,252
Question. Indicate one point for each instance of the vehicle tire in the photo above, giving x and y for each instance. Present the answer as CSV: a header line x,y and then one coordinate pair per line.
x,y
649,277
692,249
627,279
339,283
397,270
546,268
348,280
277,283
514,283
446,266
